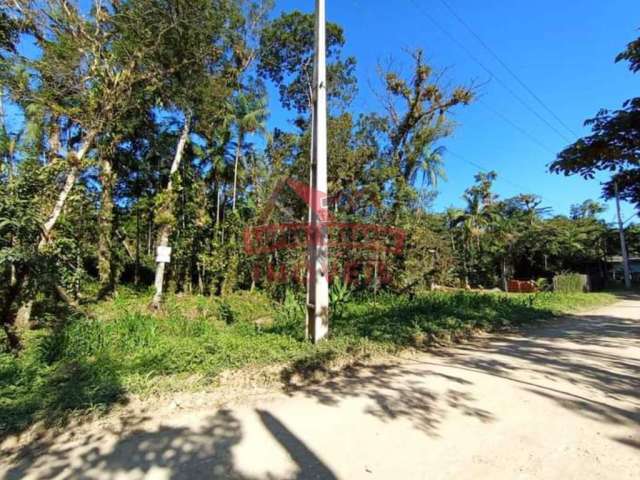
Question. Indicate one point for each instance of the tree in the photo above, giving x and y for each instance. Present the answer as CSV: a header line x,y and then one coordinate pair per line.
x,y
77,87
417,123
136,135
517,225
9,29
587,209
476,219
250,114
286,58
199,42
631,55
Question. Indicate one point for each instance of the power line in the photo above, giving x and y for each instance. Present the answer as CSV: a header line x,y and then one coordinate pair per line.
x,y
630,218
520,188
493,110
454,39
507,68
519,128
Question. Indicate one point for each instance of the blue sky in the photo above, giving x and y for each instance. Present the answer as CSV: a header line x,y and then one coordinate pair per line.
x,y
563,50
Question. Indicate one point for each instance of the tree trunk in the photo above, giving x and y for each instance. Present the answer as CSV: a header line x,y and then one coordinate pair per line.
x,y
137,259
505,280
163,241
105,228
165,229
466,259
129,250
55,144
235,169
23,316
200,278
218,204
149,231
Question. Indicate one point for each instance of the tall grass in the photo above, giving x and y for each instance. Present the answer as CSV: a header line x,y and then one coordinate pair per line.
x,y
570,283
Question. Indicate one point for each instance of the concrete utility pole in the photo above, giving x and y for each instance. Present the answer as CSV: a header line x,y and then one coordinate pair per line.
x,y
318,238
623,243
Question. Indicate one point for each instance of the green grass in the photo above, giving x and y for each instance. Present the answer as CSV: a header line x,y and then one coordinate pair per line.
x,y
559,303
89,365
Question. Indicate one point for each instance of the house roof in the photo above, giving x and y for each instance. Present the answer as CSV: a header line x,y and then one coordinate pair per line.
x,y
618,259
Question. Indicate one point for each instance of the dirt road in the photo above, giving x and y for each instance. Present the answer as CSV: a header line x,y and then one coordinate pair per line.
x,y
561,401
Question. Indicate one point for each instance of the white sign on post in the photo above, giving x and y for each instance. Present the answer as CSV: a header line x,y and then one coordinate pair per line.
x,y
164,255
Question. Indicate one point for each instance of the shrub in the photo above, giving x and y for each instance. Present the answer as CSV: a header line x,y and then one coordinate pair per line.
x,y
225,313
290,317
544,285
339,296
571,283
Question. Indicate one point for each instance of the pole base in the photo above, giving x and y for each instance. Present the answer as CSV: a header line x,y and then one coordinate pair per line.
x,y
317,323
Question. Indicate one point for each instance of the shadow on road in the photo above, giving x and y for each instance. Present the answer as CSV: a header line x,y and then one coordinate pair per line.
x,y
309,465
174,453
559,361
395,392
590,352
185,453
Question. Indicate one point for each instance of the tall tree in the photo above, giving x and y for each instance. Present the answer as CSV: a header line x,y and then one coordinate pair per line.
x,y
286,58
79,87
417,111
200,63
249,116
587,209
476,219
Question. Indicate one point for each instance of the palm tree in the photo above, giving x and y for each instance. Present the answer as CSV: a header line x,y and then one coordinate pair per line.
x,y
249,117
477,217
429,167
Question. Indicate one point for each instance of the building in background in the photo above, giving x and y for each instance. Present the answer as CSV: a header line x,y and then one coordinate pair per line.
x,y
616,269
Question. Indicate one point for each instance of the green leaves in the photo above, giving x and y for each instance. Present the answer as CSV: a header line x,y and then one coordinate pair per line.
x,y
340,295
286,58
632,55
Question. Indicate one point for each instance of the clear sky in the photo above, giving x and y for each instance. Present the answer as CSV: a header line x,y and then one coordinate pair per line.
x,y
564,52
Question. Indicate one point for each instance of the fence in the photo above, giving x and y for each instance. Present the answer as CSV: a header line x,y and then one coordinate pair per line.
x,y
522,286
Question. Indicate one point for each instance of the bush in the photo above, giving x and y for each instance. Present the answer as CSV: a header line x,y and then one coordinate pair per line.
x,y
571,283
339,296
226,314
544,285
